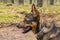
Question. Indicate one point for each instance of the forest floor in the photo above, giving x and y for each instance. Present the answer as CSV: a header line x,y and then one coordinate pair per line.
x,y
13,33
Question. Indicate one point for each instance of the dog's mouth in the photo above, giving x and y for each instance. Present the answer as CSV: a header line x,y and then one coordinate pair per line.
x,y
26,29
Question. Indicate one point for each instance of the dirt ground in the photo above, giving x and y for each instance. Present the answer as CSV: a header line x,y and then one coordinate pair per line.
x,y
13,33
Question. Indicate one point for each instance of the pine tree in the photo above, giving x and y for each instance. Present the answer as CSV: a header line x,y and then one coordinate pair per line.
x,y
12,1
39,3
21,1
51,2
30,1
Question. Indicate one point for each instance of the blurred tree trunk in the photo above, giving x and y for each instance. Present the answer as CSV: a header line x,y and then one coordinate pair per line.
x,y
21,1
51,2
30,1
12,1
39,3
5,1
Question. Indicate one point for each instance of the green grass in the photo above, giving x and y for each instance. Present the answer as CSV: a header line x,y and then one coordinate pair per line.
x,y
9,14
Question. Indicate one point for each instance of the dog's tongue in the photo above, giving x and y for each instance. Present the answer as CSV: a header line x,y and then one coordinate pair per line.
x,y
25,30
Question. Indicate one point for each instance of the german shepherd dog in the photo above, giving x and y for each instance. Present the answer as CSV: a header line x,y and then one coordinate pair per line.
x,y
40,25
31,21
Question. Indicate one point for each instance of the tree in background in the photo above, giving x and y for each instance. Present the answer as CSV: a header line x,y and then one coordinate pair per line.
x,y
39,3
21,1
12,1
51,2
5,1
30,1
